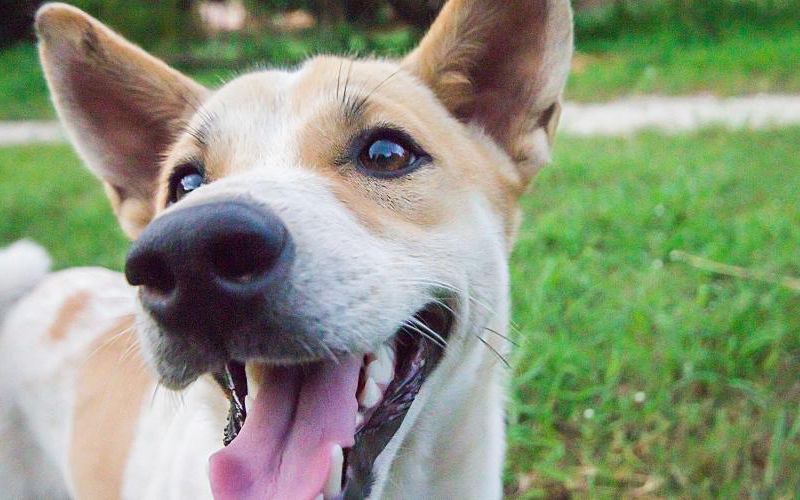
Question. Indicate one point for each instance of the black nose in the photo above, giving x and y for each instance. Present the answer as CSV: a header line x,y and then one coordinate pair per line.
x,y
209,268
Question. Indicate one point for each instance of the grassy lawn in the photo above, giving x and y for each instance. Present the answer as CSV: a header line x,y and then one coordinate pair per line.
x,y
737,64
635,374
49,197
724,47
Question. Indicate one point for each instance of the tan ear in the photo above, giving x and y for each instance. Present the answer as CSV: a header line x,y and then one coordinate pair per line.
x,y
121,107
502,65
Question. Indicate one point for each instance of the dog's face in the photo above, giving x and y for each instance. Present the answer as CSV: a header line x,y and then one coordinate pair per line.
x,y
319,239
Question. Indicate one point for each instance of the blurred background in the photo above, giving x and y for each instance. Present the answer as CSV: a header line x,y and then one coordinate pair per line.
x,y
727,47
656,290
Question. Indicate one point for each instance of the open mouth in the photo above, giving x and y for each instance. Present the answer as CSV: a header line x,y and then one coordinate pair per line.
x,y
313,431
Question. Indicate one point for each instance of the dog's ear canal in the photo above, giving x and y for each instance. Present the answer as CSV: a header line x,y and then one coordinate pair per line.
x,y
120,106
501,65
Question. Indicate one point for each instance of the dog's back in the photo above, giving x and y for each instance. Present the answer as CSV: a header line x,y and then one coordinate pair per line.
x,y
51,329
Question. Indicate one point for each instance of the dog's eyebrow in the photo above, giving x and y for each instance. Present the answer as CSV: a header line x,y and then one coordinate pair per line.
x,y
354,105
202,131
199,133
354,108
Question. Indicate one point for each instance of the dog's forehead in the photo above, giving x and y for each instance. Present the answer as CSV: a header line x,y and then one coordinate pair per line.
x,y
300,118
247,116
254,97
275,102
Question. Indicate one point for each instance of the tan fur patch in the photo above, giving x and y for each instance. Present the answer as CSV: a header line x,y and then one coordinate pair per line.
x,y
110,389
67,315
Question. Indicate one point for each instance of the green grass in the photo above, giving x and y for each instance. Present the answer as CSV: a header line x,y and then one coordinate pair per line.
x,y
605,314
49,197
739,63
23,92
724,47
602,311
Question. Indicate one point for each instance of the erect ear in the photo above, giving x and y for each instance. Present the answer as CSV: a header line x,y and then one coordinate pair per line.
x,y
502,65
120,106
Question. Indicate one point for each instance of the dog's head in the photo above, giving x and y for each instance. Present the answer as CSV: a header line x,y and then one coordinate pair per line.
x,y
324,237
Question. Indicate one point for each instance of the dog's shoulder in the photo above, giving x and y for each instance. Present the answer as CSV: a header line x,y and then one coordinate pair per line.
x,y
71,306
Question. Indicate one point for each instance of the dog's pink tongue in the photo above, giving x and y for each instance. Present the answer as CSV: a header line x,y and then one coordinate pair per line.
x,y
284,449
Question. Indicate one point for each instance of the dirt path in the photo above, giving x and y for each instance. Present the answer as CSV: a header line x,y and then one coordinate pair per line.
x,y
680,114
615,118
30,132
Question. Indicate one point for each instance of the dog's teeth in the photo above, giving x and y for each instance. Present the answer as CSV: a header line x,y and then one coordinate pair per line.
x,y
370,395
381,370
248,402
254,374
333,486
359,419
386,354
387,350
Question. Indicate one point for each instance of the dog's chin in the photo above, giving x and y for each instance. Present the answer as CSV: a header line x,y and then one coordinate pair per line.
x,y
313,429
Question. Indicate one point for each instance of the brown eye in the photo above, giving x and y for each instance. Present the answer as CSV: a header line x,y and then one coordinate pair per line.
x,y
387,156
389,153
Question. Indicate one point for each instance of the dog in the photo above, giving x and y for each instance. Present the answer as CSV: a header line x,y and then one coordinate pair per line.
x,y
316,299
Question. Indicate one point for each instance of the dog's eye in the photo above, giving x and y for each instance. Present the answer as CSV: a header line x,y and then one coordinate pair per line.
x,y
184,180
389,154
384,155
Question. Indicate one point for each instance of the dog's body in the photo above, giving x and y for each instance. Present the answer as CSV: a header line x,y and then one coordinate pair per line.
x,y
471,113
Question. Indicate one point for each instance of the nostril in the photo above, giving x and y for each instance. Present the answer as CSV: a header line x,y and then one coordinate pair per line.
x,y
150,271
244,257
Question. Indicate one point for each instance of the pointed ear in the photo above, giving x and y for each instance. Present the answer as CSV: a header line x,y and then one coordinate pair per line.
x,y
501,65
120,106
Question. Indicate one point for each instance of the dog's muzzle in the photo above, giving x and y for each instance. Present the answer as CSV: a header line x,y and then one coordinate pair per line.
x,y
203,270
217,280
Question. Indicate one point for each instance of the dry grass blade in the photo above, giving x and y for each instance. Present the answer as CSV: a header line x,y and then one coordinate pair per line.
x,y
734,271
